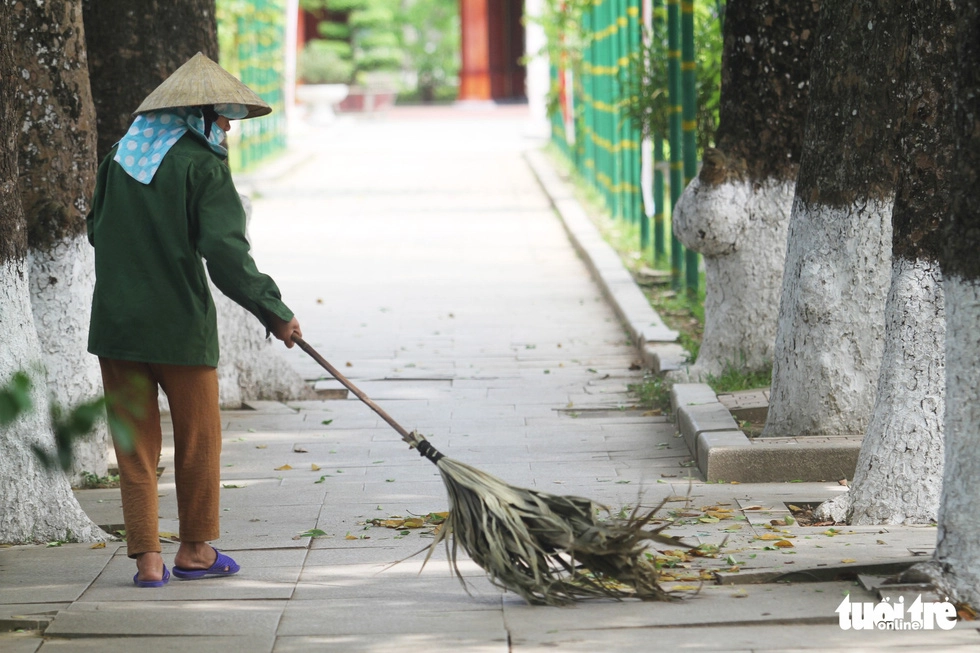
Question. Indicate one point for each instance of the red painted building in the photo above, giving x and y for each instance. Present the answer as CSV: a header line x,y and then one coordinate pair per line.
x,y
492,49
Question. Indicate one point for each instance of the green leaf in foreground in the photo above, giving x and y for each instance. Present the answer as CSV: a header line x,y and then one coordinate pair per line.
x,y
15,398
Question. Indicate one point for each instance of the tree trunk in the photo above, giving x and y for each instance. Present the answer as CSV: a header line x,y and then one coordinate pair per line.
x,y
57,177
899,471
134,46
737,211
957,560
35,506
831,316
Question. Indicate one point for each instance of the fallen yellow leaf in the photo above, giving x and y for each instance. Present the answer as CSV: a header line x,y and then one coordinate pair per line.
x,y
773,536
314,468
350,537
284,468
414,522
783,544
719,514
848,561
98,545
966,612
685,588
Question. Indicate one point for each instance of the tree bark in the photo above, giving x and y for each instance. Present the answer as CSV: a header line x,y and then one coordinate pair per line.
x,y
899,471
57,177
134,46
831,317
736,212
35,506
956,564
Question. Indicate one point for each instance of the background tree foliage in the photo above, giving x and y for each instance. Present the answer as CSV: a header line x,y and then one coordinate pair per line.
x,y
361,34
644,80
565,38
430,39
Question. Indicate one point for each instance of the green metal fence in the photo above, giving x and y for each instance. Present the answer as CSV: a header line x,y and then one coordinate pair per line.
x,y
590,125
612,143
251,35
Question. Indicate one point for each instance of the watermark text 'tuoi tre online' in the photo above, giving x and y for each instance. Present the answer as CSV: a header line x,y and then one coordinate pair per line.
x,y
919,615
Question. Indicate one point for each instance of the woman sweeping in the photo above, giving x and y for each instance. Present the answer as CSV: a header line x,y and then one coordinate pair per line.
x,y
165,200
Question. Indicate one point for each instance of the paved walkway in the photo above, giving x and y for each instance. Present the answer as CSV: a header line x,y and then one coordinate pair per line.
x,y
423,258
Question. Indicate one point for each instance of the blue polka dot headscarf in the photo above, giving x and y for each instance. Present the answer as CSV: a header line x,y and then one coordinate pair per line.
x,y
152,134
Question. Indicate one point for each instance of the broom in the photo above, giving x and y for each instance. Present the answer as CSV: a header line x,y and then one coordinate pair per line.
x,y
549,549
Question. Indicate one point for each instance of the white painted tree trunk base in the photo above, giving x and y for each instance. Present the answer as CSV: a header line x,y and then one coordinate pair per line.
x,y
740,229
899,470
251,366
35,505
958,542
836,510
62,281
830,333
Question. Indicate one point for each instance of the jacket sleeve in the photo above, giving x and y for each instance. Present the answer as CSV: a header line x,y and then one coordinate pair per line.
x,y
221,240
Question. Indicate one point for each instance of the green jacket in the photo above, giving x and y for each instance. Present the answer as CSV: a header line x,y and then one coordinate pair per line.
x,y
152,302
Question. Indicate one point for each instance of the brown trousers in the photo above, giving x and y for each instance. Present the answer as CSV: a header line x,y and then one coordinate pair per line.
x,y
193,395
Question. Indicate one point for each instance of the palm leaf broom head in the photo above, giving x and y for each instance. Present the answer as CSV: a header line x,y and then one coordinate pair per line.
x,y
547,548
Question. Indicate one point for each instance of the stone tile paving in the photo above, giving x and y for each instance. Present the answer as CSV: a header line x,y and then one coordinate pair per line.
x,y
423,253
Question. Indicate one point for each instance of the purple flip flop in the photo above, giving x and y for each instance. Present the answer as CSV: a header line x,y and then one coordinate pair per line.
x,y
223,566
152,583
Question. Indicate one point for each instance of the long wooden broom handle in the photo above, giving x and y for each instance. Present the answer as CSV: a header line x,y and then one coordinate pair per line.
x,y
335,373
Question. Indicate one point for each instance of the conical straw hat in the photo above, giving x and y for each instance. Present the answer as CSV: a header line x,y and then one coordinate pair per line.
x,y
202,81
